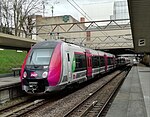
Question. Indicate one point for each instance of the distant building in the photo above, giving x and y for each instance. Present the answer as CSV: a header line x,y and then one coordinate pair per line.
x,y
46,31
120,11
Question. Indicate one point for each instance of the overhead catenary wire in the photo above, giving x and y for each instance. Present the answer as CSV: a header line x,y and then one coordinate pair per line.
x,y
77,9
83,11
89,18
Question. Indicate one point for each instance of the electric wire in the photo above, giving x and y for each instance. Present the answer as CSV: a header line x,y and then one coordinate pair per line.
x,y
83,11
104,33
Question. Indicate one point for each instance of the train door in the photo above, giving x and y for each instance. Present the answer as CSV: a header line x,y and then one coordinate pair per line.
x,y
106,63
89,65
68,67
114,62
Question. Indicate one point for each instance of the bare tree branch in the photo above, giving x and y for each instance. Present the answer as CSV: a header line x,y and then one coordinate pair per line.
x,y
21,11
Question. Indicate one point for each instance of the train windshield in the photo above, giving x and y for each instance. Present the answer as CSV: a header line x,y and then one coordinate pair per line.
x,y
40,57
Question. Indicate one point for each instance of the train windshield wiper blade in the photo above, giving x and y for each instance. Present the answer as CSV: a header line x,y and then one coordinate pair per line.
x,y
31,60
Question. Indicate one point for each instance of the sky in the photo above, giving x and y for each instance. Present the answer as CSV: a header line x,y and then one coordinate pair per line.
x,y
95,9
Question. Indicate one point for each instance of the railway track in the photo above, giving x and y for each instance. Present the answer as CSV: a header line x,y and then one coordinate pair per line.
x,y
29,105
21,108
91,105
94,104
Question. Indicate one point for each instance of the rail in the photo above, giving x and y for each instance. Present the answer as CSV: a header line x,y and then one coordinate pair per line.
x,y
22,108
91,102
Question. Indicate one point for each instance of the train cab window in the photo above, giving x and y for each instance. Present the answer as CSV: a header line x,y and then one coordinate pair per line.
x,y
80,62
39,57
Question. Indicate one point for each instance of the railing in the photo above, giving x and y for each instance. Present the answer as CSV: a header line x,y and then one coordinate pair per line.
x,y
15,70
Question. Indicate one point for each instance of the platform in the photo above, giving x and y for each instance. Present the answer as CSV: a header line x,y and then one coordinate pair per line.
x,y
10,88
6,81
133,98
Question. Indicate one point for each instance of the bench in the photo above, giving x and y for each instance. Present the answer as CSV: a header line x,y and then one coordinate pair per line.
x,y
16,70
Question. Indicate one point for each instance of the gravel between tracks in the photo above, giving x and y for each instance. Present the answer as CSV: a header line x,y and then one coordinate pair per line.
x,y
60,107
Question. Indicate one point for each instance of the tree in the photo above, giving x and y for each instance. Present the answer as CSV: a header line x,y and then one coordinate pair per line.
x,y
21,12
5,14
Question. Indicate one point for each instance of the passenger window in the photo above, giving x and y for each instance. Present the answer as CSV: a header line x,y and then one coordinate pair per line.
x,y
95,61
102,61
80,62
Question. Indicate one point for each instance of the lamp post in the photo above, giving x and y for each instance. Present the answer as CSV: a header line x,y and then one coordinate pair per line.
x,y
44,2
52,7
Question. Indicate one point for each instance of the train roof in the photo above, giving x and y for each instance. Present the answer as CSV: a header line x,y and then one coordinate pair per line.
x,y
53,43
47,44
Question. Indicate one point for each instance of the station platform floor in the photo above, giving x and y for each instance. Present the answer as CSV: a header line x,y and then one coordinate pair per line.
x,y
6,81
133,98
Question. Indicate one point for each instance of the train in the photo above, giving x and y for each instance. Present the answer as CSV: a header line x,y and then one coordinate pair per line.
x,y
121,61
53,65
146,60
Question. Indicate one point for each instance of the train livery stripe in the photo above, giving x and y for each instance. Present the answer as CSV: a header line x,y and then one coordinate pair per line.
x,y
23,65
55,67
73,64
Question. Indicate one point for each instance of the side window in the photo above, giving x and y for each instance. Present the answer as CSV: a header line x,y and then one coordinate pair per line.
x,y
102,61
109,61
80,62
95,61
68,56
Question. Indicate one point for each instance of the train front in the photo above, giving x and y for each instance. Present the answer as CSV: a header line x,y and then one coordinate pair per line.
x,y
41,70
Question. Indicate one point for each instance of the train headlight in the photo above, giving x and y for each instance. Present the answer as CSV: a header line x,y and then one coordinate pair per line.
x,y
45,74
24,74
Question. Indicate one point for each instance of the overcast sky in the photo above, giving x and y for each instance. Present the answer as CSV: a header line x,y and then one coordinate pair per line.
x,y
95,9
